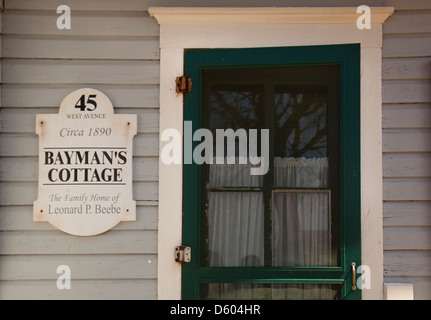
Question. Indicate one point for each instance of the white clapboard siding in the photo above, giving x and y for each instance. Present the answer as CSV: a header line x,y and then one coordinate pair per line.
x,y
80,47
407,164
407,238
406,68
407,140
25,193
408,263
1,52
51,95
19,145
20,218
408,22
408,5
99,267
80,71
83,5
22,169
406,145
80,290
407,189
19,120
57,242
406,116
408,213
117,54
25,145
406,91
82,23
401,45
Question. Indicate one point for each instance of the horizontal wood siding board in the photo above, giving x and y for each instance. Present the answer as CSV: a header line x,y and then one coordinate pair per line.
x,y
57,242
26,145
80,47
81,5
407,140
51,95
19,169
407,189
407,263
407,238
82,267
402,22
401,45
20,218
408,5
80,71
19,145
89,23
133,289
407,213
25,193
406,69
406,91
23,120
406,165
406,116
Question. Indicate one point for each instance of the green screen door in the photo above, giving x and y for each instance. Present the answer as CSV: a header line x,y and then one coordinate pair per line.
x,y
271,206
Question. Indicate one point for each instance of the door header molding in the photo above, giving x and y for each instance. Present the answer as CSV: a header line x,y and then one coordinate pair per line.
x,y
256,15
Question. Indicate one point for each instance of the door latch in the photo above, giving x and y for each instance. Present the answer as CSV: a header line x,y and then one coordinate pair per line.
x,y
183,254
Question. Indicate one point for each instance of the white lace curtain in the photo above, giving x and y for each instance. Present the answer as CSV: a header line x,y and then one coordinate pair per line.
x,y
300,218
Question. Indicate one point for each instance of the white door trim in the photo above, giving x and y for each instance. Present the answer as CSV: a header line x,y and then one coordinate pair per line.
x,y
182,28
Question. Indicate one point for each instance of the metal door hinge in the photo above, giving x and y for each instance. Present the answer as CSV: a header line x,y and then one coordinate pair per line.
x,y
184,84
183,254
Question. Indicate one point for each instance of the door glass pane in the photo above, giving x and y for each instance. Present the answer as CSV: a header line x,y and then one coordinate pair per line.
x,y
268,291
301,121
302,229
235,237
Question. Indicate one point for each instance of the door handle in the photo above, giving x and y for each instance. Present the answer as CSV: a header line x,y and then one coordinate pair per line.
x,y
353,276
